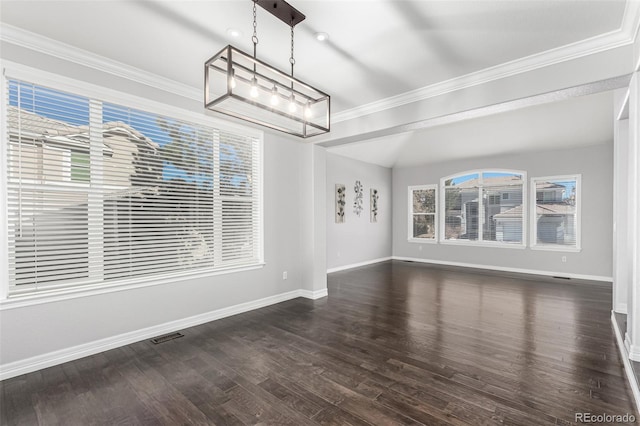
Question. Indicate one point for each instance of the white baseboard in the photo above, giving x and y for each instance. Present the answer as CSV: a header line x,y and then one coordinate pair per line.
x,y
621,308
634,352
507,269
355,265
317,294
50,359
627,364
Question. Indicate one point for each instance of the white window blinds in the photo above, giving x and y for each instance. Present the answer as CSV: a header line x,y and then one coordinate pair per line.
x,y
100,193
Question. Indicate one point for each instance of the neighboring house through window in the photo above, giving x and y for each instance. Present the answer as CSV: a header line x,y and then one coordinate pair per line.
x,y
556,213
422,213
101,193
483,207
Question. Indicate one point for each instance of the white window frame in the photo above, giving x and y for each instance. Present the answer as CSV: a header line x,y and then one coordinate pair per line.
x,y
410,236
479,242
11,70
533,214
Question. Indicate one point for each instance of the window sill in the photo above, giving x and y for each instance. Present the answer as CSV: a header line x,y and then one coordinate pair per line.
x,y
56,295
556,248
423,240
483,244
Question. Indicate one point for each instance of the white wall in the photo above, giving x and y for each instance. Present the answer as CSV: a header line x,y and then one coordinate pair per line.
x,y
636,51
36,335
357,240
633,224
627,250
622,241
594,163
311,204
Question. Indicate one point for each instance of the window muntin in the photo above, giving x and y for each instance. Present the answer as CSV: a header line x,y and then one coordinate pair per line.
x,y
483,207
556,213
422,213
99,192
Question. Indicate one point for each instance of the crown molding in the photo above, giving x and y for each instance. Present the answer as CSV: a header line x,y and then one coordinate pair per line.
x,y
631,19
623,36
36,42
483,111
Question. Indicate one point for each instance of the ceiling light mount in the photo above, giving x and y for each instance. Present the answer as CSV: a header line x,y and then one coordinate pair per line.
x,y
283,11
242,86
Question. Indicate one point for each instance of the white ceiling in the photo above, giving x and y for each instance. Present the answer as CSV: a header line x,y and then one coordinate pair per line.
x,y
377,49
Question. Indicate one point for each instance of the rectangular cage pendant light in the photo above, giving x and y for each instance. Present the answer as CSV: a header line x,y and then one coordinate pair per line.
x,y
241,86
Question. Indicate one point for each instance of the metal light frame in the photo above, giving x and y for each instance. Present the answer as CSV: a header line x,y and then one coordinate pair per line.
x,y
230,73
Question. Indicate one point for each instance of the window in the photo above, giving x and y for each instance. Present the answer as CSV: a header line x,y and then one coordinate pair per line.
x,y
422,213
79,170
556,213
483,207
100,192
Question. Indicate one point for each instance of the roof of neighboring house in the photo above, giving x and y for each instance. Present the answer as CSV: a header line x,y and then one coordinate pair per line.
x,y
555,209
118,127
505,181
68,134
37,124
559,209
493,181
549,185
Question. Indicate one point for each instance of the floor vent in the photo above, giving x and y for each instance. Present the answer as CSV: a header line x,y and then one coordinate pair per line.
x,y
166,338
562,278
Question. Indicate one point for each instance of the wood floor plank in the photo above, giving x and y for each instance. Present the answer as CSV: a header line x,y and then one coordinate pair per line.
x,y
293,400
393,343
337,416
17,405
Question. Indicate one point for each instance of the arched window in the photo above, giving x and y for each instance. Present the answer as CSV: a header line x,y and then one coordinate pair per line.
x,y
483,207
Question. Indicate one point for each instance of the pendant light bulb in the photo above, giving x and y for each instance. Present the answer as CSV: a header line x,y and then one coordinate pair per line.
x,y
307,110
275,99
292,104
232,80
254,88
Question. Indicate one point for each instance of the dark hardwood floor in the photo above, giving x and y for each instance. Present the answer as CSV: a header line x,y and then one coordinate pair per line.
x,y
394,343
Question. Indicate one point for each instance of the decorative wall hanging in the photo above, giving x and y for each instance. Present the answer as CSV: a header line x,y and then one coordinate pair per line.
x,y
357,203
340,202
374,205
242,86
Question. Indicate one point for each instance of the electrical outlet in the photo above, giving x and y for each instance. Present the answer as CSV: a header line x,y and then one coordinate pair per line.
x,y
419,248
284,275
564,259
338,255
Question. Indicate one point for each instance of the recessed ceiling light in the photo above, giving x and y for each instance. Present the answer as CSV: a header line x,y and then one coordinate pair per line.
x,y
234,32
322,36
